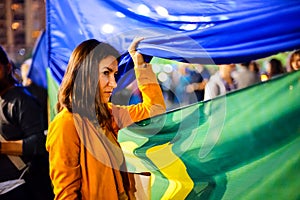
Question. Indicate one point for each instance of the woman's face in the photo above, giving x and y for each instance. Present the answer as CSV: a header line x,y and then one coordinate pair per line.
x,y
296,63
108,68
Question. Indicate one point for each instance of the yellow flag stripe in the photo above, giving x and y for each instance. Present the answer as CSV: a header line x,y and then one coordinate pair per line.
x,y
180,183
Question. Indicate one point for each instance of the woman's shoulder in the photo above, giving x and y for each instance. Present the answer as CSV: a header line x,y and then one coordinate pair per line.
x,y
62,130
63,117
62,122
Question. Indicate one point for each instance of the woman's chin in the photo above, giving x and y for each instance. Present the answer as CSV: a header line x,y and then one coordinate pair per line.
x,y
105,99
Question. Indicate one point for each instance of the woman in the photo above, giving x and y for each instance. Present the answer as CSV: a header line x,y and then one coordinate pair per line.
x,y
274,68
86,161
294,61
22,136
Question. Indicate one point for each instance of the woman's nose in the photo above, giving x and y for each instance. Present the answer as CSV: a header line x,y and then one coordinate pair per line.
x,y
112,82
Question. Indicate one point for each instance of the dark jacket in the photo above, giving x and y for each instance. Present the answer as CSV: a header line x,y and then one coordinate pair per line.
x,y
21,119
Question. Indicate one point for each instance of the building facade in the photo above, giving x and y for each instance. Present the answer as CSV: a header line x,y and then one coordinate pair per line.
x,y
21,23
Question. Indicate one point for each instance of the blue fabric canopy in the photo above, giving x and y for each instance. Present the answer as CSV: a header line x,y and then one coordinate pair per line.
x,y
198,31
37,71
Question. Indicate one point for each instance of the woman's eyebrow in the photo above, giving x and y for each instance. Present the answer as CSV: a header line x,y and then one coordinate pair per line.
x,y
109,69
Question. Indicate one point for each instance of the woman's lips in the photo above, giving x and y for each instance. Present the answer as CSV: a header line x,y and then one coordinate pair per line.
x,y
108,93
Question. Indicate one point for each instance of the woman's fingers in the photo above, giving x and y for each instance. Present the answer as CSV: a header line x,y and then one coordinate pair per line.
x,y
133,45
136,57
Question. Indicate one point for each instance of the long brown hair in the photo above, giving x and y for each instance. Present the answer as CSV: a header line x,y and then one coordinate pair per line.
x,y
79,90
276,67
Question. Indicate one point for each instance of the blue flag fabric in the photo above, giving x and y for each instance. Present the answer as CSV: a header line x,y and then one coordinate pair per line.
x,y
194,31
37,72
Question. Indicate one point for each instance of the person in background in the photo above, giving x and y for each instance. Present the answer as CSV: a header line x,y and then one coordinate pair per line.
x,y
198,78
274,68
86,161
254,67
221,82
39,92
244,76
294,61
180,81
21,136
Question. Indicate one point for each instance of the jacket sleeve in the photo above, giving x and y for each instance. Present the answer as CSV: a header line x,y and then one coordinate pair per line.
x,y
63,145
153,100
30,120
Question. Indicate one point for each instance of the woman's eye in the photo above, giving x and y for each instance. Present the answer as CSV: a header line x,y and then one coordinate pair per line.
x,y
106,73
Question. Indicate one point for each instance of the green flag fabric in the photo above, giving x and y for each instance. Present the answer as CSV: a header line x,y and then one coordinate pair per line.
x,y
52,94
243,145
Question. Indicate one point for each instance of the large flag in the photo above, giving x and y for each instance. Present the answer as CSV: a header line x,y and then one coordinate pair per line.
x,y
244,145
197,31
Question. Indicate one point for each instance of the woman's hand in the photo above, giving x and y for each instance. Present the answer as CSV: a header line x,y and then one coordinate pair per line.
x,y
137,58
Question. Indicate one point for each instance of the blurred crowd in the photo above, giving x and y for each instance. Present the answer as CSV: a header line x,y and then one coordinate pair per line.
x,y
188,83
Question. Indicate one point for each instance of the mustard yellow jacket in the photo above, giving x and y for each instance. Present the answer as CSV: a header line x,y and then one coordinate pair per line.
x,y
75,171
